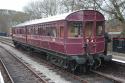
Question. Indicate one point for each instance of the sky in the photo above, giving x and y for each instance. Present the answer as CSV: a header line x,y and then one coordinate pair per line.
x,y
14,4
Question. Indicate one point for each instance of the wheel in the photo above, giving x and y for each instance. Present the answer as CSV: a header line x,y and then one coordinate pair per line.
x,y
82,69
97,63
72,66
17,45
48,57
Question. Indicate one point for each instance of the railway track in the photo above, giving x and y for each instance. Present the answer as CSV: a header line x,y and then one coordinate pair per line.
x,y
20,72
83,78
94,77
5,75
6,39
114,79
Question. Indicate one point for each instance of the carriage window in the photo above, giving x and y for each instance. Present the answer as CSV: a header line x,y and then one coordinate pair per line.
x,y
36,31
61,31
21,30
39,30
88,29
17,31
32,31
75,29
44,31
99,28
53,32
49,31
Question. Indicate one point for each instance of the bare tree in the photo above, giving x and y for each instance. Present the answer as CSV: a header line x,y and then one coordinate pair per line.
x,y
3,23
34,10
40,9
9,18
116,8
45,8
72,5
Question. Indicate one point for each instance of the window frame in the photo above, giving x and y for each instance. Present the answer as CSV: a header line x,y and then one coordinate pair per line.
x,y
77,30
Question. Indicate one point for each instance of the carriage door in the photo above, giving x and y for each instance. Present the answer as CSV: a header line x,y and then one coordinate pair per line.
x,y
89,37
100,41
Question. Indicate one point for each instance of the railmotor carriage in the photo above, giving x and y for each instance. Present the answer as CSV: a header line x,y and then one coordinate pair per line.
x,y
75,40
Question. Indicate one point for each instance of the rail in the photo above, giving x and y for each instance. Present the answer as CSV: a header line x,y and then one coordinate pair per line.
x,y
114,79
34,72
7,73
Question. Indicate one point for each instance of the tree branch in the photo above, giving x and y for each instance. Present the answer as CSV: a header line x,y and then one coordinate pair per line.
x,y
103,9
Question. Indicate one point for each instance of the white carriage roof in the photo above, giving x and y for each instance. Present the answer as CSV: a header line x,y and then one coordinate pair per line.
x,y
37,21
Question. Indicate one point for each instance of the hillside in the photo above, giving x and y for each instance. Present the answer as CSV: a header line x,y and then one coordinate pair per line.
x,y
10,18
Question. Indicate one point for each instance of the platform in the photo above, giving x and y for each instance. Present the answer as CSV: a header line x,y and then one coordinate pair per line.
x,y
119,57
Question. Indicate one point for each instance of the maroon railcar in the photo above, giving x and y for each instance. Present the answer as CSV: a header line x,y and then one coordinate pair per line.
x,y
70,39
